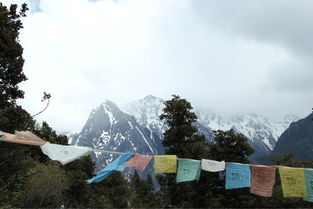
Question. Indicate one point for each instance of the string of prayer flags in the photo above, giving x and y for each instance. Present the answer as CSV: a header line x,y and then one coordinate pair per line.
x,y
139,161
292,181
22,137
188,170
63,153
308,176
212,165
116,165
237,175
262,180
165,164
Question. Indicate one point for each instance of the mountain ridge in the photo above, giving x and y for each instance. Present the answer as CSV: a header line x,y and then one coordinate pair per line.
x,y
297,139
137,127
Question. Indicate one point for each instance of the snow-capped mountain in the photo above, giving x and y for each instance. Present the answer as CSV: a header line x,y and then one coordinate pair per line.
x,y
137,128
147,111
261,132
108,128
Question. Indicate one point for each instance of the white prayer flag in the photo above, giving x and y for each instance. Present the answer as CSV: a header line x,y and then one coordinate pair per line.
x,y
63,153
212,165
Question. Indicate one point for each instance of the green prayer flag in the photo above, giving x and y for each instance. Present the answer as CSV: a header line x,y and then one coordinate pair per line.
x,y
308,177
1,138
188,170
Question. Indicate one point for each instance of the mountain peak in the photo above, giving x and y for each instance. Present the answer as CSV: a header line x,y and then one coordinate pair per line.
x,y
110,106
151,99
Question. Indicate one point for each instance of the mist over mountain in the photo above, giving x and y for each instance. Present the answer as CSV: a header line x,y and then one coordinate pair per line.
x,y
136,127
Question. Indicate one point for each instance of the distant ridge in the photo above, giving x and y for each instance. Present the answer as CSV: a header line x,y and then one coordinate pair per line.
x,y
297,139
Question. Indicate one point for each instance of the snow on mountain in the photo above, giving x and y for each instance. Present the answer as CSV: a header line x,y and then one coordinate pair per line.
x,y
137,128
261,132
147,112
109,128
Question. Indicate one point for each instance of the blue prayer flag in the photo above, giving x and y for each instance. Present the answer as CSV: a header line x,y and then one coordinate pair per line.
x,y
237,176
116,165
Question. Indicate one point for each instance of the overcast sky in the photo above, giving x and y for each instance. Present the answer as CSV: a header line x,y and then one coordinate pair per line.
x,y
230,56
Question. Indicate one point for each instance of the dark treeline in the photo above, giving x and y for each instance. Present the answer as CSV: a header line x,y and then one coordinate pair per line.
x,y
28,179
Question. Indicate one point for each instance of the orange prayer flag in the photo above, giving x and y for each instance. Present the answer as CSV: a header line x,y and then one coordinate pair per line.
x,y
139,161
262,180
22,137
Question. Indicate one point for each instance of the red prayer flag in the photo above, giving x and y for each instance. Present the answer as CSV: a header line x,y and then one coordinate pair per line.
x,y
139,161
262,180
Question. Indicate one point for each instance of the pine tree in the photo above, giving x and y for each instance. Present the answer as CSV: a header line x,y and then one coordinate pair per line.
x,y
143,195
14,159
230,147
12,116
180,139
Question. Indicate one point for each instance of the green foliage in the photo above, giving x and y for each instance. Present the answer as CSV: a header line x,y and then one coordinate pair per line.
x,y
11,60
47,133
182,140
230,147
46,187
12,116
143,195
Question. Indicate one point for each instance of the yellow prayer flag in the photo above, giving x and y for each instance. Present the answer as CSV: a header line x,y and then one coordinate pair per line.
x,y
165,164
292,181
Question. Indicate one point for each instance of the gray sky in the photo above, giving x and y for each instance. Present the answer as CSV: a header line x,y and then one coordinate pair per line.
x,y
225,55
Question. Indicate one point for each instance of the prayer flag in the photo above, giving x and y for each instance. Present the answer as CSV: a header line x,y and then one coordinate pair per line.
x,y
292,181
63,153
237,176
116,165
262,180
22,137
165,164
212,165
308,175
139,161
188,170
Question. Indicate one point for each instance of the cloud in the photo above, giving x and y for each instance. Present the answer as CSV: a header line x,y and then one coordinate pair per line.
x,y
225,55
287,23
294,76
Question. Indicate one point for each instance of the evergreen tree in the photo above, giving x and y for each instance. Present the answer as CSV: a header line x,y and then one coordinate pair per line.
x,y
46,187
229,146
143,195
15,160
181,139
12,116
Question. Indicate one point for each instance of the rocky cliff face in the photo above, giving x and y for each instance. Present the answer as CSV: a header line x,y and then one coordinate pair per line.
x,y
297,139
